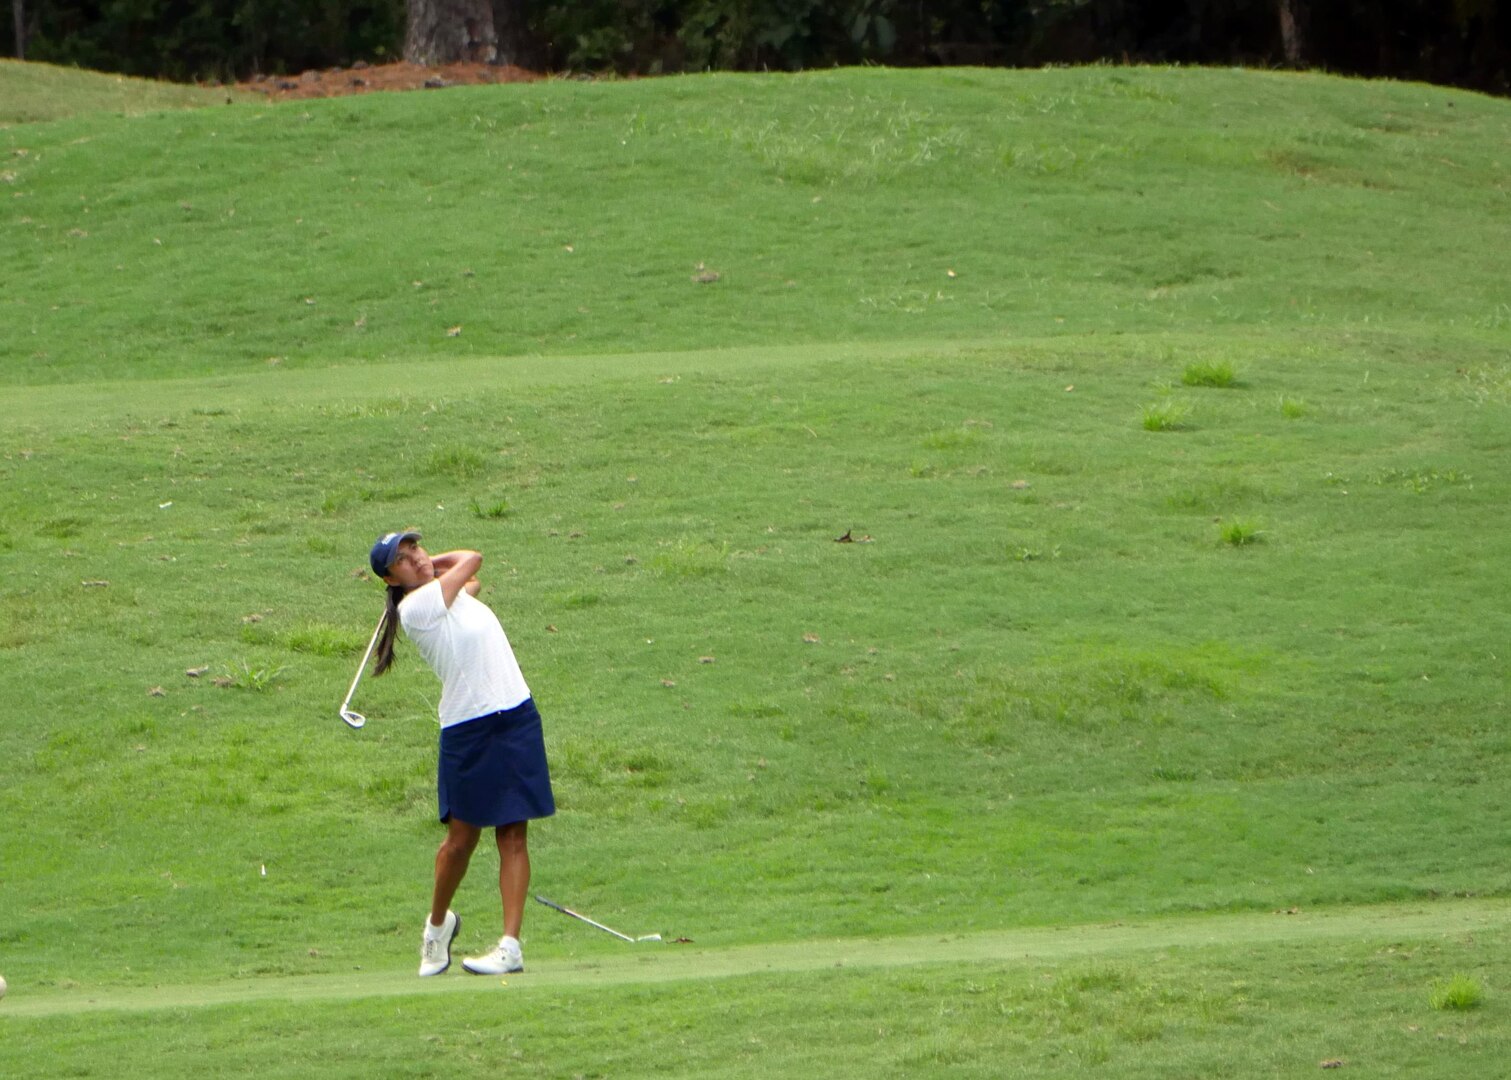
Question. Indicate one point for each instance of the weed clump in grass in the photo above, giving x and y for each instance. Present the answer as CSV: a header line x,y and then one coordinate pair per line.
x,y
462,462
490,511
1292,408
691,558
246,677
339,501
321,639
1241,532
63,528
953,439
1460,993
1219,375
1420,480
1166,416
1027,554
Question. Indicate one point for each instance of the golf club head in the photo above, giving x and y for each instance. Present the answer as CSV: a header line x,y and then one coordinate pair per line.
x,y
649,937
353,719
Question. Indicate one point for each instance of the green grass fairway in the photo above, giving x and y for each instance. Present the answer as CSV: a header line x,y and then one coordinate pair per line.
x,y
649,963
1175,997
1149,724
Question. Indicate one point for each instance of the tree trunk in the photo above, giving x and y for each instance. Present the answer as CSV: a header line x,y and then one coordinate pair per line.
x,y
450,31
18,9
1290,32
509,23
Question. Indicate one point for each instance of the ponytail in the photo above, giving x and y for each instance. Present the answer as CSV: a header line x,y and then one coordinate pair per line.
x,y
394,594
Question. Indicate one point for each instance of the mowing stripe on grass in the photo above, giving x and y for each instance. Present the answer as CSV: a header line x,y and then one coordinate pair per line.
x,y
92,401
670,963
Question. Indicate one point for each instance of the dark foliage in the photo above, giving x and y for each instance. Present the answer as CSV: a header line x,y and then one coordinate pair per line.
x,y
1462,42
210,39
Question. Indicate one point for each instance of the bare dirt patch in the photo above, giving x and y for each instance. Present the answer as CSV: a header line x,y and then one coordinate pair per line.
x,y
367,79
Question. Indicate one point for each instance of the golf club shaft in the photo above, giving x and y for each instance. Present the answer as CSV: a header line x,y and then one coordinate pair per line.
x,y
584,918
363,667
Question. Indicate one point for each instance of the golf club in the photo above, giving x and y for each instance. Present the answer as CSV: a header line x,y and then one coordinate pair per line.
x,y
599,925
356,719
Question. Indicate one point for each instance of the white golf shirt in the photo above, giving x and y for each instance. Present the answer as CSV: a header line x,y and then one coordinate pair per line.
x,y
464,645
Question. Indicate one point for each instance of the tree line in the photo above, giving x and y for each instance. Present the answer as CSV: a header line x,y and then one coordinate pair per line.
x,y
1457,42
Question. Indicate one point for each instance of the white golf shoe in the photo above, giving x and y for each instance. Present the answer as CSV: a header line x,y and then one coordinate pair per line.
x,y
435,946
504,958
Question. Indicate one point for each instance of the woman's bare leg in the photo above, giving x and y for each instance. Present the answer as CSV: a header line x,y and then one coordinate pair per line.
x,y
513,875
451,866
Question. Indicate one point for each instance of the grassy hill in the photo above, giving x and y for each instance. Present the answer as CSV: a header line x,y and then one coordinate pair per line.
x,y
31,92
564,218
1169,410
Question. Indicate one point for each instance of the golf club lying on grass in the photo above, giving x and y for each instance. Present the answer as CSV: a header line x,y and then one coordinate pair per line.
x,y
599,925
356,719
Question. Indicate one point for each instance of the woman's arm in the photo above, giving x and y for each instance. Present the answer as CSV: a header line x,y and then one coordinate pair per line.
x,y
445,561
457,570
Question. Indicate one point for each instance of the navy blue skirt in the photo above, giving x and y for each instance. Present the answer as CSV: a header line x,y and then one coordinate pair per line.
x,y
492,769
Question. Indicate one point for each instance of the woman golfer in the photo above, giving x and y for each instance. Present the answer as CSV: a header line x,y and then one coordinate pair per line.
x,y
492,769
